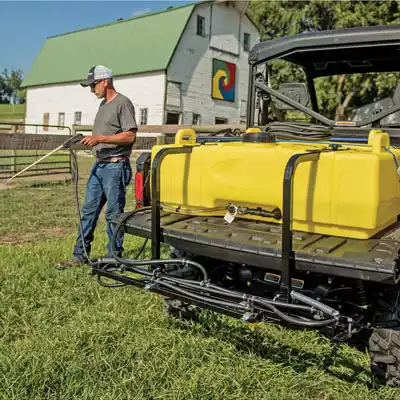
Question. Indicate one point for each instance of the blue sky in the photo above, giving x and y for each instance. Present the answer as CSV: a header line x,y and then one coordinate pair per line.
x,y
24,25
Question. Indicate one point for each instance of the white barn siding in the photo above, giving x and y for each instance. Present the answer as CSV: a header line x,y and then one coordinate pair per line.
x,y
145,91
225,29
192,62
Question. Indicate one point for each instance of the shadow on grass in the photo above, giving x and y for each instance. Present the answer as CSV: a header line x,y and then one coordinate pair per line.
x,y
257,342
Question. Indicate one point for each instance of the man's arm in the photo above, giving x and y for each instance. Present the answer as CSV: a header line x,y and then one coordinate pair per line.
x,y
128,137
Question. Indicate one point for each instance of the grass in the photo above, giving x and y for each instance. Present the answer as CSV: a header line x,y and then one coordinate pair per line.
x,y
9,112
62,336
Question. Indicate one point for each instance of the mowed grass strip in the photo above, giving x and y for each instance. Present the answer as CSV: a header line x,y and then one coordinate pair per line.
x,y
9,112
62,336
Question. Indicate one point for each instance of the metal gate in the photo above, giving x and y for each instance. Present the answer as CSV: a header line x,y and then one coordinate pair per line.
x,y
18,150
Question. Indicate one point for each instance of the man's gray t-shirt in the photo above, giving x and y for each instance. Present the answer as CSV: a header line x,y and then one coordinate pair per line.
x,y
114,117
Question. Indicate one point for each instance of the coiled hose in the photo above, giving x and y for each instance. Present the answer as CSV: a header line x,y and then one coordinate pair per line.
x,y
299,131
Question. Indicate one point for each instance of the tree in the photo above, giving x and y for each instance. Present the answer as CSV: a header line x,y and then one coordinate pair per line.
x,y
3,91
339,94
10,86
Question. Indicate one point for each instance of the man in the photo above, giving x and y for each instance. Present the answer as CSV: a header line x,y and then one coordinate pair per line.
x,y
114,133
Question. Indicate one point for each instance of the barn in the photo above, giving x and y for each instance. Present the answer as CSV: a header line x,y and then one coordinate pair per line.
x,y
184,65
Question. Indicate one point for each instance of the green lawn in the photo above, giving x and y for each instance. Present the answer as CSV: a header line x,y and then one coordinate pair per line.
x,y
62,336
9,112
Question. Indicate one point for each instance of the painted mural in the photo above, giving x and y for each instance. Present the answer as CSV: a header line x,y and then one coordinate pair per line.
x,y
223,80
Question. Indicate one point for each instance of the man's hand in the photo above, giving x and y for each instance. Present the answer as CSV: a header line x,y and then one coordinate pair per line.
x,y
90,141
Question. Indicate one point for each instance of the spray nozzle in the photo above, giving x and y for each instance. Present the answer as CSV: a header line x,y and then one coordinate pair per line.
x,y
73,140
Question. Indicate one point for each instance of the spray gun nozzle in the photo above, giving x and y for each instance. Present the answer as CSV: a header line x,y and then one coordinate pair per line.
x,y
73,140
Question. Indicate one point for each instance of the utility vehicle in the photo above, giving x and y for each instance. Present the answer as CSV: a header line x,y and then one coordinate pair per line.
x,y
294,221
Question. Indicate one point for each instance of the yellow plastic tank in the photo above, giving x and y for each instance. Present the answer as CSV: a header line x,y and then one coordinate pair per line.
x,y
353,192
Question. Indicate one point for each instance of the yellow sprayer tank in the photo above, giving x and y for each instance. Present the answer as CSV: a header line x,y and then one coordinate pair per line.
x,y
353,192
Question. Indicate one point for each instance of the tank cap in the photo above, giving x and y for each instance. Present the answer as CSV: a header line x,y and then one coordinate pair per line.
x,y
258,137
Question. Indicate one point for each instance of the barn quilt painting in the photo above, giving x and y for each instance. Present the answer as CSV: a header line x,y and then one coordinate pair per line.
x,y
223,80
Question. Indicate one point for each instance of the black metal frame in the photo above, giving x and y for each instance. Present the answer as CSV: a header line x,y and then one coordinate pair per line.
x,y
155,196
292,103
331,52
313,94
288,263
256,59
251,97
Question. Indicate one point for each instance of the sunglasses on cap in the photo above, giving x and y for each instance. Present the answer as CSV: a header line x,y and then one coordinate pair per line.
x,y
93,85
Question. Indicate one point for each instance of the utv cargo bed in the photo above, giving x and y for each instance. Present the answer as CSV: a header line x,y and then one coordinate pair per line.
x,y
259,244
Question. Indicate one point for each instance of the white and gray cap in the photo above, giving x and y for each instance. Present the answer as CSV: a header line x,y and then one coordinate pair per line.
x,y
97,73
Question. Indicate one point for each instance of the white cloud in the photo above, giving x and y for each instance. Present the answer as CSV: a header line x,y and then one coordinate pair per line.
x,y
141,12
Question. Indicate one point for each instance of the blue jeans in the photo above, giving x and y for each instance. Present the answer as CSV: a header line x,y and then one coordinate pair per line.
x,y
106,185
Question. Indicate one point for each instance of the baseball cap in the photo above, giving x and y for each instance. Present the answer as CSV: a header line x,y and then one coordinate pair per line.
x,y
97,73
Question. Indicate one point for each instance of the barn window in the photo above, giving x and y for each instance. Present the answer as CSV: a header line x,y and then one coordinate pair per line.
x,y
201,26
173,118
246,42
143,116
61,120
196,119
243,108
220,120
46,119
78,118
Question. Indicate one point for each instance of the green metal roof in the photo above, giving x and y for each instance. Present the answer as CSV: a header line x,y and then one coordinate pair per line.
x,y
130,46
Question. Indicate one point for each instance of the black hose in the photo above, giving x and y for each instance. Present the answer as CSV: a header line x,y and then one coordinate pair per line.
x,y
203,288
139,252
303,131
139,270
201,298
127,261
141,249
299,322
302,127
109,285
78,208
254,299
106,262
237,295
283,316
291,306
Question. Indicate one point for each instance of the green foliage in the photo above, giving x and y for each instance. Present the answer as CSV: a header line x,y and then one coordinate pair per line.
x,y
337,95
10,86
3,90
